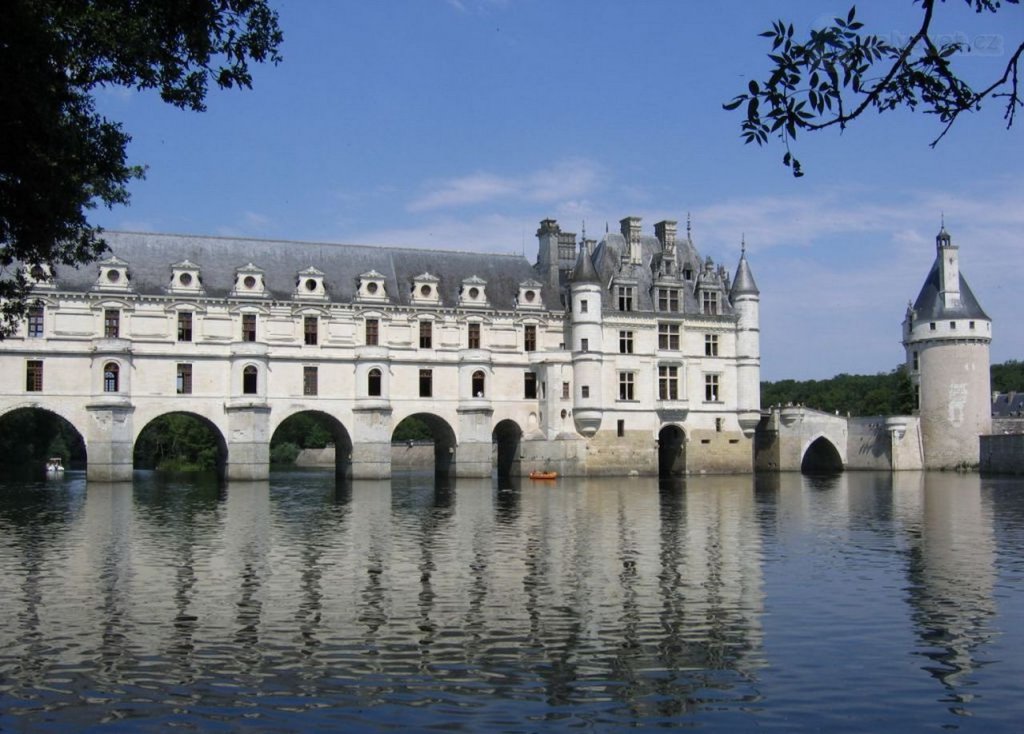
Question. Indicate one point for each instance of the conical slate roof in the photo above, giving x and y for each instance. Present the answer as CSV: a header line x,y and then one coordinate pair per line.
x,y
743,283
929,305
585,272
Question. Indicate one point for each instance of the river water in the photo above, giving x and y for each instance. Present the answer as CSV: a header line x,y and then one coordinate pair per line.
x,y
864,602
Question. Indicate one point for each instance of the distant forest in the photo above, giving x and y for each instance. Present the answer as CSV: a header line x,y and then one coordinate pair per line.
x,y
887,393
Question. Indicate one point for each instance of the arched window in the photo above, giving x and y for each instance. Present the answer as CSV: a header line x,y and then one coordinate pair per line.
x,y
111,373
373,383
249,375
478,384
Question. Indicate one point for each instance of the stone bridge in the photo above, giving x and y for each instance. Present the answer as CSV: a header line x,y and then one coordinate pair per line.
x,y
465,432
796,438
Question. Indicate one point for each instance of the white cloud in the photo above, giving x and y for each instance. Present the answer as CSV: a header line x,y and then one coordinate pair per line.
x,y
567,179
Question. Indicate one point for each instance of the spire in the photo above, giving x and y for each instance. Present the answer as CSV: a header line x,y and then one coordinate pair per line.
x,y
743,283
584,271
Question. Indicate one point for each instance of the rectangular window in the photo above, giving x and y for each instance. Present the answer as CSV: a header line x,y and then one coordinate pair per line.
x,y
565,391
309,380
530,385
711,389
248,327
372,332
309,329
952,324
426,334
585,391
625,342
583,305
711,345
668,382
474,335
584,345
931,326
426,383
111,323
709,302
626,385
917,361
530,338
970,325
668,299
34,375
35,321
625,298
620,428
184,380
185,326
668,337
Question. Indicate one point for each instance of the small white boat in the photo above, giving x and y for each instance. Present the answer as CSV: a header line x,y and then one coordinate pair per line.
x,y
54,467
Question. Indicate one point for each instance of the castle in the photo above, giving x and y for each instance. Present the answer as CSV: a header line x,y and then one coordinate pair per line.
x,y
632,355
946,336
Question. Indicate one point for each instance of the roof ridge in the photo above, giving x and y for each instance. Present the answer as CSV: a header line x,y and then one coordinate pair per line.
x,y
268,240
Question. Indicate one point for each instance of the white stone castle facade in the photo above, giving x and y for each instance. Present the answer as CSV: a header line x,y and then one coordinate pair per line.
x,y
630,355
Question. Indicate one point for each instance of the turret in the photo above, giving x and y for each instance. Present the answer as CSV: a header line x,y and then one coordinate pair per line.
x,y
746,302
946,335
587,346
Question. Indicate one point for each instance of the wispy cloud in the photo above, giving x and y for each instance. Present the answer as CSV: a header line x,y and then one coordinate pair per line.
x,y
568,179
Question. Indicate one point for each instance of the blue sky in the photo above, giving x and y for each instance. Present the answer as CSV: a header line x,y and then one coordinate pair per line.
x,y
460,124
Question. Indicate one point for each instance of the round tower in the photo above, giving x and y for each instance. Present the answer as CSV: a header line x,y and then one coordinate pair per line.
x,y
746,301
587,343
947,335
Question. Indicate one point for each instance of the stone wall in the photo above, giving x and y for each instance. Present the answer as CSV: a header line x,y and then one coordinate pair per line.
x,y
1002,454
868,444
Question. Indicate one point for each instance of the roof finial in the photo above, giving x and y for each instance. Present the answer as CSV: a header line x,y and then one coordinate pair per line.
x,y
743,244
583,230
687,225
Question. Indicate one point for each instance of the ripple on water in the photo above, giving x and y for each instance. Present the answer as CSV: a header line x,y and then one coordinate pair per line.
x,y
846,605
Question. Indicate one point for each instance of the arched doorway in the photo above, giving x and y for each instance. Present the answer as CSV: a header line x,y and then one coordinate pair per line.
x,y
506,437
821,457
31,436
312,438
419,437
671,452
181,441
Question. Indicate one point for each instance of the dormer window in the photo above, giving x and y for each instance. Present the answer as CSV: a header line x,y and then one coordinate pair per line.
x,y
709,303
185,278
425,289
473,292
309,285
249,282
371,287
530,295
113,275
41,276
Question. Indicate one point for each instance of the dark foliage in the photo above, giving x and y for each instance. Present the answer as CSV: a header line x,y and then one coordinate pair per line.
x,y
58,157
839,72
889,393
177,442
1008,376
29,437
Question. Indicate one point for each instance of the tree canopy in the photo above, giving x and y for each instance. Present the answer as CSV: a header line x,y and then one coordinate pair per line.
x,y
59,158
839,72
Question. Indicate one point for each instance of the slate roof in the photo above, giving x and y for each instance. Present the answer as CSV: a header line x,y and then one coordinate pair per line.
x,y
930,307
1006,405
744,281
150,257
608,263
